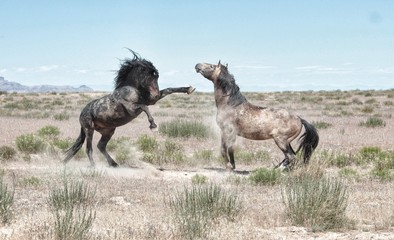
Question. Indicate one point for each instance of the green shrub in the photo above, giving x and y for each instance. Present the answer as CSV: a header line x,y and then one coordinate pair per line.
x,y
7,153
6,200
199,179
321,125
370,154
186,129
73,222
63,116
249,157
72,210
316,203
49,132
147,143
204,155
30,181
264,176
74,192
29,143
195,209
373,122
348,173
167,153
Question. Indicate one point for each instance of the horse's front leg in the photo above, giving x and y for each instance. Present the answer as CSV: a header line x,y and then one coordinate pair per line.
x,y
169,91
150,118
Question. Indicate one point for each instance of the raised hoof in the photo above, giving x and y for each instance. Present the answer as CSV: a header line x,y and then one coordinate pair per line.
x,y
191,90
153,126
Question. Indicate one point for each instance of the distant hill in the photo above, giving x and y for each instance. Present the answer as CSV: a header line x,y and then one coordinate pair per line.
x,y
9,86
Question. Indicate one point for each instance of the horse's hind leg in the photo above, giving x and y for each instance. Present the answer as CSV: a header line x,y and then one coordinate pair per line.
x,y
102,146
289,153
89,148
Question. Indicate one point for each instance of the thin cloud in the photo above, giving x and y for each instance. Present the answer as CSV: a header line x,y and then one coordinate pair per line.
x,y
46,68
171,73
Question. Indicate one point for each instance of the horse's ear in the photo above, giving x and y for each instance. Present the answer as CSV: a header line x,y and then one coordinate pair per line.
x,y
219,64
226,65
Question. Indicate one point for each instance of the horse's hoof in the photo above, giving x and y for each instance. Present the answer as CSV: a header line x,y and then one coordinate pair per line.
x,y
114,165
191,90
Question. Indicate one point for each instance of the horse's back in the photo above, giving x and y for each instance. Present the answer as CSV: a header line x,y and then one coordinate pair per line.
x,y
260,123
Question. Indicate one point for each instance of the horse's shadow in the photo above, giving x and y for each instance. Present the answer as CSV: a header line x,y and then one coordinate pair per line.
x,y
221,170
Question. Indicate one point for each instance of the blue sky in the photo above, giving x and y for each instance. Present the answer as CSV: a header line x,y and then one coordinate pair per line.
x,y
268,45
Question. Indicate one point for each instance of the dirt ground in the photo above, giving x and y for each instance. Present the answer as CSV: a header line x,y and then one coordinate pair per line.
x,y
131,199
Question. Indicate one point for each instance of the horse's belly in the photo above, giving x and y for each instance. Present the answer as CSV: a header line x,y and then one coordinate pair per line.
x,y
255,135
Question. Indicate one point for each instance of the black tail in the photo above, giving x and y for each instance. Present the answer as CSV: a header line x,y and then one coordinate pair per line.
x,y
309,141
75,148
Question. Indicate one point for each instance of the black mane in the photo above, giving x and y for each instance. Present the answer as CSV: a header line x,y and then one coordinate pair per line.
x,y
134,71
228,85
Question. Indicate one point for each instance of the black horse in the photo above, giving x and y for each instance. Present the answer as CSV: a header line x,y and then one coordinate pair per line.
x,y
136,87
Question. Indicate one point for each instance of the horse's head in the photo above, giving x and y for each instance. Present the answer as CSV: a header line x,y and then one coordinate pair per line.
x,y
209,71
223,81
140,74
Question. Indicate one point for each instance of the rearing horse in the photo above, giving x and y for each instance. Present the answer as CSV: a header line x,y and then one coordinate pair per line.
x,y
237,117
136,87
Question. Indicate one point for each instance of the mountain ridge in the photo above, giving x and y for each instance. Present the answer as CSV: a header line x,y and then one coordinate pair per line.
x,y
9,86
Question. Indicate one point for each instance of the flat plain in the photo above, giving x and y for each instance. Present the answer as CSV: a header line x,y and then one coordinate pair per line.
x,y
131,201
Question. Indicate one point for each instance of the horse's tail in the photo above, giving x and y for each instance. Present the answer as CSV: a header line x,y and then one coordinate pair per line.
x,y
309,141
76,146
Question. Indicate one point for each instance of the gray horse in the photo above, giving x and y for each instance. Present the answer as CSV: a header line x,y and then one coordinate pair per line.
x,y
237,117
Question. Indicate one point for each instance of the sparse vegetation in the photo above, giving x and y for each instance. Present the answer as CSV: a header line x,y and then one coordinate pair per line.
x,y
6,200
264,176
196,208
29,143
7,153
316,203
72,210
373,122
185,129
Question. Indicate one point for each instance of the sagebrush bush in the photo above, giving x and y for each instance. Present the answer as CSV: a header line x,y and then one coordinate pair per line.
x,y
316,203
199,179
49,132
373,122
186,129
73,192
265,176
6,200
7,153
29,143
195,209
147,143
72,209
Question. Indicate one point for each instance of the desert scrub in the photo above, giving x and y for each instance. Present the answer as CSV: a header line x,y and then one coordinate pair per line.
x,y
7,153
168,152
72,209
6,200
373,122
249,157
199,179
321,124
63,116
49,132
316,203
73,192
196,208
265,176
29,143
186,129
147,143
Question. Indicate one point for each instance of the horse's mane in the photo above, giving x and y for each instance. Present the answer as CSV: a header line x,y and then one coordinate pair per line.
x,y
228,85
132,71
